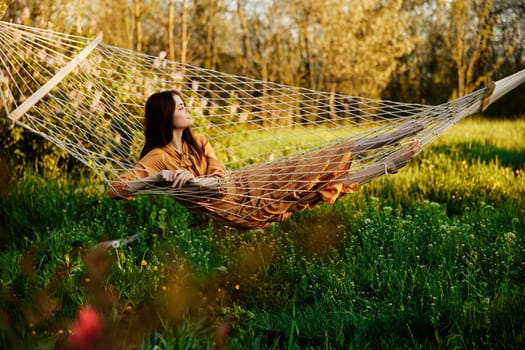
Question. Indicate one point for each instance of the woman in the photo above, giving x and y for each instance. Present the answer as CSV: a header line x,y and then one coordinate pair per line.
x,y
252,197
172,153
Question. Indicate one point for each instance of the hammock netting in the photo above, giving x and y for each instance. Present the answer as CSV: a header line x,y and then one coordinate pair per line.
x,y
88,99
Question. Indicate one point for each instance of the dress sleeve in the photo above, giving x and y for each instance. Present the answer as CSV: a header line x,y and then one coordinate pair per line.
x,y
151,163
215,166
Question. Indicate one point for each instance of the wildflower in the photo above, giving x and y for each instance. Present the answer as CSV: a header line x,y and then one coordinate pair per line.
x,y
237,286
143,263
86,330
510,236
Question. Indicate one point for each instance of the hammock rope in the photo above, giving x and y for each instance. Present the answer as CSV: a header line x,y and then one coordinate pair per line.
x,y
88,99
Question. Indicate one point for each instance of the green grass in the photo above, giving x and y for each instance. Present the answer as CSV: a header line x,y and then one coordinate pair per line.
x,y
431,258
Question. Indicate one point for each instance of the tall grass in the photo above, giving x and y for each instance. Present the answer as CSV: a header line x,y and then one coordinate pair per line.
x,y
431,258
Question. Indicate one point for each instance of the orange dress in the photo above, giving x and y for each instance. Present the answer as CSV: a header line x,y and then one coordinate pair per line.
x,y
254,196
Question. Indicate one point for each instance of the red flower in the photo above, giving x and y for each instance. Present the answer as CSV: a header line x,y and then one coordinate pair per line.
x,y
86,330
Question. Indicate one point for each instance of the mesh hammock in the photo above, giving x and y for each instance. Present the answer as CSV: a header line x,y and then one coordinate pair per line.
x,y
282,145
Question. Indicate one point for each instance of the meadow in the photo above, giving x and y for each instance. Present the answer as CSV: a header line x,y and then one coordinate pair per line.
x,y
430,258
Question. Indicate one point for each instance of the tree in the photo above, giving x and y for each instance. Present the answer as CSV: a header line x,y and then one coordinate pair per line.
x,y
304,15
509,36
112,18
425,73
184,32
171,29
137,25
4,5
362,44
471,43
208,33
246,47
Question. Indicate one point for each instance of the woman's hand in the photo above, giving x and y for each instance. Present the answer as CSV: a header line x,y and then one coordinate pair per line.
x,y
177,177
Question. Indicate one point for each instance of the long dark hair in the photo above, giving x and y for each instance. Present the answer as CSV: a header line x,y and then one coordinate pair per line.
x,y
158,123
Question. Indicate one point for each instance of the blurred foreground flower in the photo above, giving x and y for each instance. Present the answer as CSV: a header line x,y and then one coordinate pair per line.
x,y
87,329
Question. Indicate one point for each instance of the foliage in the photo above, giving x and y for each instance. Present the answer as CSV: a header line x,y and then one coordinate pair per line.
x,y
25,149
430,258
412,50
422,49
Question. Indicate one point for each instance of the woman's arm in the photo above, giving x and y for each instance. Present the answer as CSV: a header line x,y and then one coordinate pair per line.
x,y
125,187
137,185
156,163
177,178
144,173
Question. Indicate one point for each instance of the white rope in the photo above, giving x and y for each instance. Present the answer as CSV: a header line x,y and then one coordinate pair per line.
x,y
94,111
54,81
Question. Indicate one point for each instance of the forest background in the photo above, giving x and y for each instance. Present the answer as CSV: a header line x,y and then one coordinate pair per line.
x,y
422,51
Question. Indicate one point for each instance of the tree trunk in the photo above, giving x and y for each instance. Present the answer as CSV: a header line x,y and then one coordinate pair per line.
x,y
137,25
246,55
471,42
184,34
171,28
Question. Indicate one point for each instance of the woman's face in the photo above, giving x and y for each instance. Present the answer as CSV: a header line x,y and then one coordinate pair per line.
x,y
182,119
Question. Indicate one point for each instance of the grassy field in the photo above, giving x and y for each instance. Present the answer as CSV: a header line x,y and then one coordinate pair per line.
x,y
430,258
